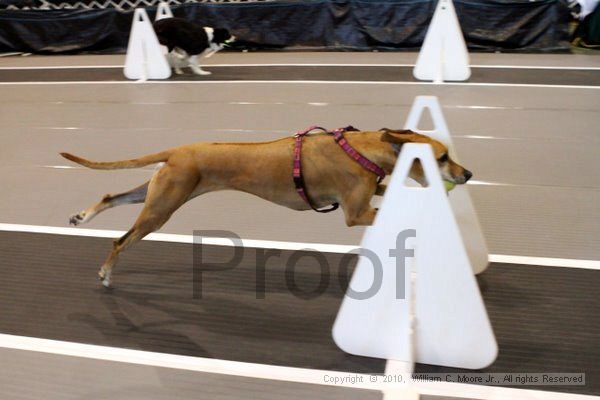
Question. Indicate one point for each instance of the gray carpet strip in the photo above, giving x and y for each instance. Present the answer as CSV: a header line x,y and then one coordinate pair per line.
x,y
546,319
327,73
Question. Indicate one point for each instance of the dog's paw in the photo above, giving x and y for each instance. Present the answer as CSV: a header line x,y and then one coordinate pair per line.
x,y
104,276
201,72
106,283
178,71
77,219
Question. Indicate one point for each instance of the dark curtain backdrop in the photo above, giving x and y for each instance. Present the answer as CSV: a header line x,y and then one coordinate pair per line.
x,y
488,25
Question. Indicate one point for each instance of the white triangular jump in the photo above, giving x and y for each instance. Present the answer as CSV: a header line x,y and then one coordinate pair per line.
x,y
163,11
144,59
437,289
460,199
443,55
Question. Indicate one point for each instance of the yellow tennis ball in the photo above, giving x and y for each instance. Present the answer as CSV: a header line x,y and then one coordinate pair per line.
x,y
449,185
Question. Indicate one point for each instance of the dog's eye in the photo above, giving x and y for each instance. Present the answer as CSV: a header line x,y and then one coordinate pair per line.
x,y
443,158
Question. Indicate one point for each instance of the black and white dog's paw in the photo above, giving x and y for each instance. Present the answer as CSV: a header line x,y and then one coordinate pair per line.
x,y
199,71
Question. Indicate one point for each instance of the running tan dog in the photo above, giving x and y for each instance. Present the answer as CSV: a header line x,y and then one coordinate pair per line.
x,y
263,169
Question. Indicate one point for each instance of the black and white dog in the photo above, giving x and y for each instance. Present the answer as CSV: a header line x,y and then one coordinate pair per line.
x,y
187,41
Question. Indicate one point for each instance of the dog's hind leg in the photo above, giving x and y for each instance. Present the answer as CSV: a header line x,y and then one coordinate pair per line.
x,y
168,190
175,62
134,196
177,59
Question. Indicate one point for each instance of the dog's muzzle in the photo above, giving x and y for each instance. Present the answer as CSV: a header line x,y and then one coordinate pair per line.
x,y
229,41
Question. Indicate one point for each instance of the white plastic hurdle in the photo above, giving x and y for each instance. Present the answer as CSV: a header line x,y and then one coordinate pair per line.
x,y
443,55
460,199
430,311
163,11
145,59
413,296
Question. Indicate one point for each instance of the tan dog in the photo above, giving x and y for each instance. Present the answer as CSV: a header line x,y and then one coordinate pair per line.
x,y
263,169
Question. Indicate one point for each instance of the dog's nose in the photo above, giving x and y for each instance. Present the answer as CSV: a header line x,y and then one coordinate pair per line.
x,y
468,175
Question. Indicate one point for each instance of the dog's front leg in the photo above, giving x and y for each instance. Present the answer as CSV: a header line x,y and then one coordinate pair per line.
x,y
196,69
357,207
367,217
380,191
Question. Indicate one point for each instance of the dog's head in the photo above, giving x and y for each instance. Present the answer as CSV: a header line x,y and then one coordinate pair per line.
x,y
449,169
222,37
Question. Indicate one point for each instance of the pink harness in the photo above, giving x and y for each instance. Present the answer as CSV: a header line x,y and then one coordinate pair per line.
x,y
339,138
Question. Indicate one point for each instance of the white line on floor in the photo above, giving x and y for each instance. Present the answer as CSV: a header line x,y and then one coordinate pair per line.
x,y
61,67
396,65
306,82
543,67
177,238
270,244
209,365
534,67
11,54
271,372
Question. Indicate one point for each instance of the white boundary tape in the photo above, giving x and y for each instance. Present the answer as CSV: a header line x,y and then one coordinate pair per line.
x,y
308,65
305,82
270,244
271,372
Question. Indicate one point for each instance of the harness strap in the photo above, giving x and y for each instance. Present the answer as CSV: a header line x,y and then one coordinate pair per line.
x,y
364,162
297,172
338,135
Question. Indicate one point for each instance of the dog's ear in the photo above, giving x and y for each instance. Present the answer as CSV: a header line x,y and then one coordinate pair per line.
x,y
397,131
397,136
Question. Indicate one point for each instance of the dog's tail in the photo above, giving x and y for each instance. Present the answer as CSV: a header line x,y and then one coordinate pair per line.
x,y
134,163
